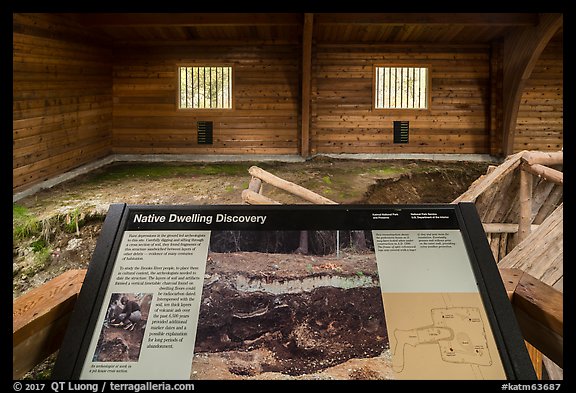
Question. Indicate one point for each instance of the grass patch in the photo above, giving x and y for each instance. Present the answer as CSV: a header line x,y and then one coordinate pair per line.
x,y
24,224
73,221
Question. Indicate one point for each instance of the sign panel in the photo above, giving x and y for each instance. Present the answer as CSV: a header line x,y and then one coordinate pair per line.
x,y
162,274
411,291
433,306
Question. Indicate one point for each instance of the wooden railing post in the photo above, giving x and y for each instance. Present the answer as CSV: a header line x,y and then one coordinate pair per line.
x,y
525,195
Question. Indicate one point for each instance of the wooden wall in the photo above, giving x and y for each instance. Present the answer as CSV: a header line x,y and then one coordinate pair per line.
x,y
540,116
266,100
343,120
76,99
62,102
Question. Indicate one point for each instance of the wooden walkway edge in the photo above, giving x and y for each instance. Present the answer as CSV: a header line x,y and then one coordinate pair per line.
x,y
40,318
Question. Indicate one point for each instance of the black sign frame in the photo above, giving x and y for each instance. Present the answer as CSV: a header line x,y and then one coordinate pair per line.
x,y
462,216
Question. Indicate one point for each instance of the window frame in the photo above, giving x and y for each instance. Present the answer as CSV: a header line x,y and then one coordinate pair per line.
x,y
403,110
206,110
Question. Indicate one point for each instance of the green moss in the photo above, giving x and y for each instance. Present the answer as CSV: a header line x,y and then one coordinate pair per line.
x,y
41,258
223,169
41,375
38,245
387,171
157,171
326,179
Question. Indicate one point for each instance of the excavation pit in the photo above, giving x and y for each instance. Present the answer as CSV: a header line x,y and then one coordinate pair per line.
x,y
291,316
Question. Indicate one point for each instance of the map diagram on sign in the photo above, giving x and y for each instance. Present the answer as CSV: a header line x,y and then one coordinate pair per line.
x,y
458,331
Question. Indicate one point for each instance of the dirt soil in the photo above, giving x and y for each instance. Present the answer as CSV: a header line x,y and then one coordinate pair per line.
x,y
298,332
289,316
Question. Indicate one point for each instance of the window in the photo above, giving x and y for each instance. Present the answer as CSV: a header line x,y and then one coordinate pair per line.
x,y
205,87
401,87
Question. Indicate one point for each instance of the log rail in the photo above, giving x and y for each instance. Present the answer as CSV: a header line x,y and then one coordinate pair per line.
x,y
253,194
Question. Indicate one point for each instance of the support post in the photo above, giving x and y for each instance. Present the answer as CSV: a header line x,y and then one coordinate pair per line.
x,y
306,83
525,219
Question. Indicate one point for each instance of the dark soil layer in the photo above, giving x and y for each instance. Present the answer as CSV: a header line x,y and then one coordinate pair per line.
x,y
435,186
307,332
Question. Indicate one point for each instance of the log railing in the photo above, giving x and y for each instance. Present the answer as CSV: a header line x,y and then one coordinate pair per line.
x,y
253,194
531,165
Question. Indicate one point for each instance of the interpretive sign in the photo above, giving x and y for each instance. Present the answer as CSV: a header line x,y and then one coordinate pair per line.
x,y
411,290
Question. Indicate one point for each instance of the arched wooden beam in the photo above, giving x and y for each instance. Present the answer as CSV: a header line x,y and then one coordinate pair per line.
x,y
521,51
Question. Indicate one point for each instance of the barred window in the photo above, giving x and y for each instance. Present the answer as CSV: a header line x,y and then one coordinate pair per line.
x,y
205,87
401,87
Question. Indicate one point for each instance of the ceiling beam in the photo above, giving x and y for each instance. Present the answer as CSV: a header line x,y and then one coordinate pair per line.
x,y
187,19
278,19
484,19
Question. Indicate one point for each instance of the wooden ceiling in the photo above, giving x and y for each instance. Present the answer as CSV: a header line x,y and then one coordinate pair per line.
x,y
329,28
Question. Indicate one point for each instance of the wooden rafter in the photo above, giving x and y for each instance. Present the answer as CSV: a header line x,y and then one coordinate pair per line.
x,y
253,19
188,19
484,19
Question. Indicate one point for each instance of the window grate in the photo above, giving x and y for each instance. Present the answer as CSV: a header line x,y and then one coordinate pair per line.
x,y
205,87
204,132
401,88
401,130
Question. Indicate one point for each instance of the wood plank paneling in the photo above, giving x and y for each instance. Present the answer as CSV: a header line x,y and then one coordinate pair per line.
x,y
62,98
76,99
540,123
458,120
264,118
